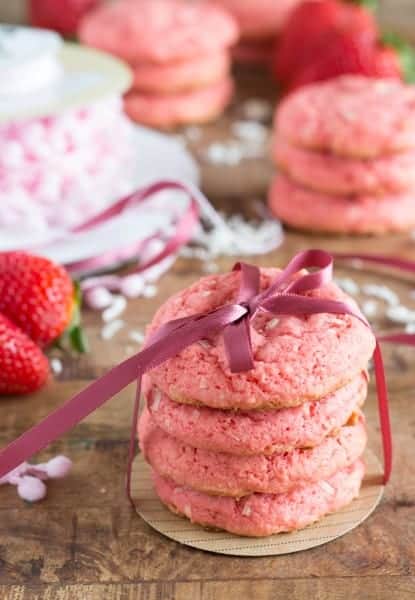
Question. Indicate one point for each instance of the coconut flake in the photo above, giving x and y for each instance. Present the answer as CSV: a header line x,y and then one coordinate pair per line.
x,y
272,323
203,384
400,314
370,308
117,307
56,365
348,285
247,510
150,291
156,399
382,292
111,328
251,131
257,109
327,487
136,336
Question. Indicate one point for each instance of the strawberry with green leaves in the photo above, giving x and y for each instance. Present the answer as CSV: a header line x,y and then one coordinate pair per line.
x,y
328,38
39,305
38,296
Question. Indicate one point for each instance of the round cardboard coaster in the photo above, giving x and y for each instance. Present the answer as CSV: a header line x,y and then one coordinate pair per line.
x,y
149,507
88,76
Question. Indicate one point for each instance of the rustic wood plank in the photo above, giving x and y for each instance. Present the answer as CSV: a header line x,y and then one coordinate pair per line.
x,y
354,588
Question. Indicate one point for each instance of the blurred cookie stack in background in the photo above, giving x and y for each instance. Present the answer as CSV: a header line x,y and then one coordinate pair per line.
x,y
179,53
345,150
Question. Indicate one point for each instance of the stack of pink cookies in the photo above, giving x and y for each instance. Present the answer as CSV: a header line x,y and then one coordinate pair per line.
x,y
179,52
345,150
267,450
260,22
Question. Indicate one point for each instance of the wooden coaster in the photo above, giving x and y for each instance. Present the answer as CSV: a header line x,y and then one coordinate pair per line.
x,y
149,507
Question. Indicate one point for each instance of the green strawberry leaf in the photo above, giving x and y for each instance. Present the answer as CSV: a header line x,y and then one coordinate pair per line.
x,y
372,5
74,338
406,54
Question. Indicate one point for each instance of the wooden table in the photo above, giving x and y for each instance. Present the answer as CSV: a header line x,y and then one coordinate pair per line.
x,y
85,542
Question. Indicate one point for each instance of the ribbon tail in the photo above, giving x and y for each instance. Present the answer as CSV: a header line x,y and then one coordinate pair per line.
x,y
383,407
133,441
67,416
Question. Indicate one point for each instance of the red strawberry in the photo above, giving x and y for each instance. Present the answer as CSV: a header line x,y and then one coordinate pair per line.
x,y
304,40
349,54
38,296
23,366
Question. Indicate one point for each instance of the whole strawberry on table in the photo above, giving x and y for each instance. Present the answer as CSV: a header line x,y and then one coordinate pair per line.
x,y
39,305
327,38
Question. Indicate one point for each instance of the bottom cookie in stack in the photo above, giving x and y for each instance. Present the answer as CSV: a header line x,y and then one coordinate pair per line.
x,y
344,149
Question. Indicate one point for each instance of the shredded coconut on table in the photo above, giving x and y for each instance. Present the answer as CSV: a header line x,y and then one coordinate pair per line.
x,y
115,309
111,328
257,109
56,365
382,292
400,314
370,308
348,285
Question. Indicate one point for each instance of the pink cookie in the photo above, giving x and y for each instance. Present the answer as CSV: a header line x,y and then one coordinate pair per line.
x,y
169,111
295,358
259,19
304,209
257,432
158,31
391,174
350,116
227,474
260,515
174,77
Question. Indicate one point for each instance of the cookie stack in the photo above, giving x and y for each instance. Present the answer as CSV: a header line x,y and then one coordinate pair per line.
x,y
345,150
267,450
179,52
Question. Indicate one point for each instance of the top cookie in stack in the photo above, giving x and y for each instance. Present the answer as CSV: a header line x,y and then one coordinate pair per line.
x,y
346,152
267,450
179,52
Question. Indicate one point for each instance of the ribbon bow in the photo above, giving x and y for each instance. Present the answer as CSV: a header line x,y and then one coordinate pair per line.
x,y
283,297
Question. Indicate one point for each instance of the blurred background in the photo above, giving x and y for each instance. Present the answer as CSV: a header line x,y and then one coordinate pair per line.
x,y
397,14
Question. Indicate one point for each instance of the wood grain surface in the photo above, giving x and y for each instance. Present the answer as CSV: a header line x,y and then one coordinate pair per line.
x,y
86,543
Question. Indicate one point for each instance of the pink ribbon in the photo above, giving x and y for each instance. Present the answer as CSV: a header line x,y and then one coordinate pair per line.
x,y
183,231
283,297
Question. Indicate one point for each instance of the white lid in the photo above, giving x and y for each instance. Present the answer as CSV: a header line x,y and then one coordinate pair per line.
x,y
20,45
41,76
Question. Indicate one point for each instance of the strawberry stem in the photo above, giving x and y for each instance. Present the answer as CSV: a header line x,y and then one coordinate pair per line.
x,y
74,338
406,54
372,5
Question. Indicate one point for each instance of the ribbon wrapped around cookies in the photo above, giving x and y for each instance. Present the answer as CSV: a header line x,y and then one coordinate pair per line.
x,y
287,295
